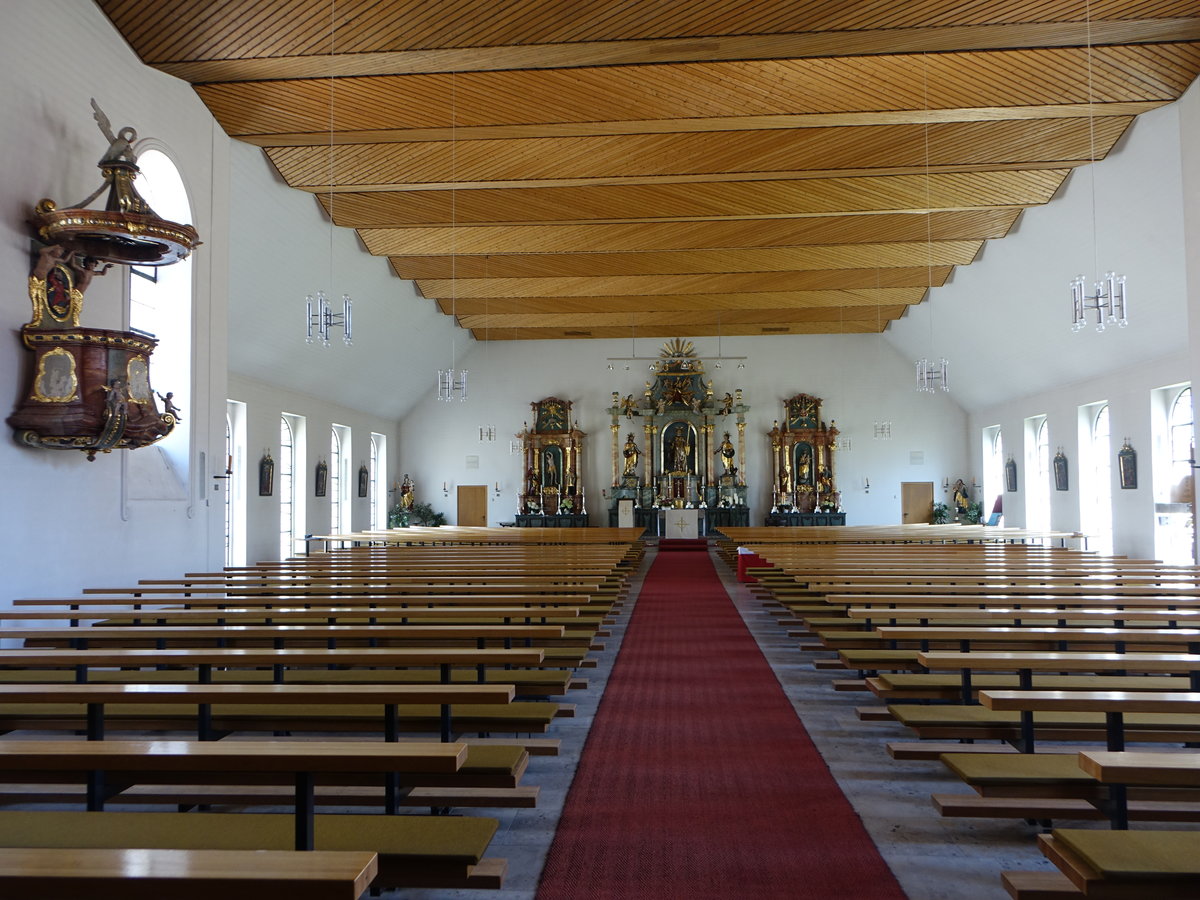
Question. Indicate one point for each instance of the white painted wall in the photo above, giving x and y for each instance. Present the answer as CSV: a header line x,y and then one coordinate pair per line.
x,y
264,405
1004,321
1129,393
860,378
66,523
283,248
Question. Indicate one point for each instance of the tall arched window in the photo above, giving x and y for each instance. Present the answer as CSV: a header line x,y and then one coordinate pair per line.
x,y
1037,485
993,473
1175,532
234,466
335,481
286,477
160,304
1097,511
373,482
229,492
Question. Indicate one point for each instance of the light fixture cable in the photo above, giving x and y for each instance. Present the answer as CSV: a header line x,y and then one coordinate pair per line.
x,y
323,319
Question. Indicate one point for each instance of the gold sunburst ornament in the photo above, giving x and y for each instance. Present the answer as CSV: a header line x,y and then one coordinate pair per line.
x,y
678,348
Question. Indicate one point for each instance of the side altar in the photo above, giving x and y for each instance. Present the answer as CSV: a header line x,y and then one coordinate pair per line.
x,y
802,466
552,492
685,456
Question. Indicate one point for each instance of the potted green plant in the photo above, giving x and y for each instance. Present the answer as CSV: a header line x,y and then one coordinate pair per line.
x,y
423,514
974,513
941,514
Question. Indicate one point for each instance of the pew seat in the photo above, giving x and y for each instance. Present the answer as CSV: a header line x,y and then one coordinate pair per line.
x,y
1118,865
414,850
140,874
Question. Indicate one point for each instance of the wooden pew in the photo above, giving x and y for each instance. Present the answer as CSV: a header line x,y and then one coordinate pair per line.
x,y
283,707
1114,865
445,852
270,762
102,874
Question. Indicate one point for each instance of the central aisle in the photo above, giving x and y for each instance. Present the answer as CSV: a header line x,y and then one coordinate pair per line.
x,y
698,779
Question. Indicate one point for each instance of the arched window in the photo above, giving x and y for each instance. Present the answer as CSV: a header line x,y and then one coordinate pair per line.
x,y
160,304
1097,512
993,473
1037,485
1043,472
286,477
335,481
1175,526
373,482
235,469
229,492
1180,425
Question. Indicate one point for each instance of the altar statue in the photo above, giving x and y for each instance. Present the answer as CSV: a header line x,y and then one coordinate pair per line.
x,y
727,454
680,451
631,456
406,493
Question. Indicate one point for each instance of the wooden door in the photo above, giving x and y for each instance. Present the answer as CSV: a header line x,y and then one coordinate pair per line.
x,y
472,505
916,502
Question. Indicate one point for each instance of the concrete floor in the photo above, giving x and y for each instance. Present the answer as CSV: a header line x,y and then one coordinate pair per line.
x,y
933,858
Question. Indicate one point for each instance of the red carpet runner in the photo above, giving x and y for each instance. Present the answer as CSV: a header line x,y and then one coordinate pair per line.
x,y
697,779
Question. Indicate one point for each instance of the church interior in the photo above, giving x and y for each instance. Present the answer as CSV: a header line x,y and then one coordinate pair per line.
x,y
690,271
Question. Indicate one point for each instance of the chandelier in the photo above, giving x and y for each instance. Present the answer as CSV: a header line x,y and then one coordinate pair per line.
x,y
1108,302
933,375
452,384
325,319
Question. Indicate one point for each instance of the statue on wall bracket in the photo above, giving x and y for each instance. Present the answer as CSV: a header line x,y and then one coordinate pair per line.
x,y
88,388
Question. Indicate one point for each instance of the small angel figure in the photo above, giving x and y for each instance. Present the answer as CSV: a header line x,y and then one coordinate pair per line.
x,y
169,406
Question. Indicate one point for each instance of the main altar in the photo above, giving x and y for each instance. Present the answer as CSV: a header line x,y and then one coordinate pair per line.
x,y
678,450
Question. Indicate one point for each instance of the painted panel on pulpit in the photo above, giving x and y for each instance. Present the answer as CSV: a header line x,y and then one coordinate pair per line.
x,y
679,448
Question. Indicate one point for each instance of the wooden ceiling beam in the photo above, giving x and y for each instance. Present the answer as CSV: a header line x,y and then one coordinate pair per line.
x,y
550,265
578,100
667,331
935,39
741,282
684,321
715,304
323,190
727,199
978,224
709,123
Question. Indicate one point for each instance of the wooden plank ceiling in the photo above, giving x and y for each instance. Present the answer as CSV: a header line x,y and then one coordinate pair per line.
x,y
600,168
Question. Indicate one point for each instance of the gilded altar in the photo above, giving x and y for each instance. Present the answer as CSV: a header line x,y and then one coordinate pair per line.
x,y
677,443
552,455
802,459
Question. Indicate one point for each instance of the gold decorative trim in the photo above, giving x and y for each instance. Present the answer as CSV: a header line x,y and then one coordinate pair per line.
x,y
37,296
